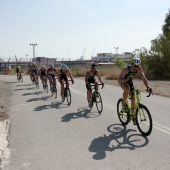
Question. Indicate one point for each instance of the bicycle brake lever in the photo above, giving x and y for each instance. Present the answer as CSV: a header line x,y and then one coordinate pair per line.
x,y
149,93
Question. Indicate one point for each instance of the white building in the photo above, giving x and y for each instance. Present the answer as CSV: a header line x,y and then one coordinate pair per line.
x,y
110,57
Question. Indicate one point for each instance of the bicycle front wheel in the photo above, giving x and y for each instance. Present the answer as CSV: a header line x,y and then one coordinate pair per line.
x,y
68,95
37,84
123,116
98,100
144,120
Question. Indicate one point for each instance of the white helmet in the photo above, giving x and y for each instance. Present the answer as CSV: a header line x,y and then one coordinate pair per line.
x,y
64,67
34,64
52,66
136,61
43,66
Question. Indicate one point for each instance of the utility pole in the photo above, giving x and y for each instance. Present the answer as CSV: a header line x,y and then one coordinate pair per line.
x,y
33,50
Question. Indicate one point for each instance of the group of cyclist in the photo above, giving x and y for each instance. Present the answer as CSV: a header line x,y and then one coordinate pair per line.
x,y
51,74
124,80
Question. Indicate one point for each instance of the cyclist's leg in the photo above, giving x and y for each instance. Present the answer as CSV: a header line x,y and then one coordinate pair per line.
x,y
62,87
36,73
126,91
54,80
89,92
50,80
96,84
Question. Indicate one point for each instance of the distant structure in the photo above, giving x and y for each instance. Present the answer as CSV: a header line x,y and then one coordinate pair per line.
x,y
110,57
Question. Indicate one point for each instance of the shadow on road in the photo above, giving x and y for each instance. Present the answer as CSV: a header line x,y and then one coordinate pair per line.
x,y
53,105
25,89
33,93
18,85
83,112
118,139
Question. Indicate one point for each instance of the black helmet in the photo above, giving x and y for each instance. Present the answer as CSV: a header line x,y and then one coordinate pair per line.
x,y
93,65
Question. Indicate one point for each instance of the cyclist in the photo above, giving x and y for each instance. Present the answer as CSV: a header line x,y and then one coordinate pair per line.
x,y
62,76
34,71
19,71
90,78
43,74
126,83
51,75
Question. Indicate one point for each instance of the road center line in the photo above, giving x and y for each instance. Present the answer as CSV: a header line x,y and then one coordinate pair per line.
x,y
109,105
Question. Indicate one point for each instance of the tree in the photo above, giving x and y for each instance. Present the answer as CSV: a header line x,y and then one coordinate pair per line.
x,y
157,58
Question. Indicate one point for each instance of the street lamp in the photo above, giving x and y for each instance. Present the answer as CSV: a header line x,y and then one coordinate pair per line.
x,y
93,52
19,60
47,61
62,60
33,49
8,62
69,62
55,61
30,60
116,49
68,54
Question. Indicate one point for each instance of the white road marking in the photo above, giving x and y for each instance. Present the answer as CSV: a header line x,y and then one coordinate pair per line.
x,y
109,105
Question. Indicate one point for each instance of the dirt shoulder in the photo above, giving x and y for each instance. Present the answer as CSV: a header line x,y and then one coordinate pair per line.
x,y
161,88
5,95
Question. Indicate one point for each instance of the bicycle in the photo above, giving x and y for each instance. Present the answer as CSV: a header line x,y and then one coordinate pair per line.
x,y
96,98
20,78
67,94
44,82
53,87
35,80
140,114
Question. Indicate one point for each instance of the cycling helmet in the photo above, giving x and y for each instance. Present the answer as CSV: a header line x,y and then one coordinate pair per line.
x,y
52,66
33,64
43,66
136,61
93,65
64,67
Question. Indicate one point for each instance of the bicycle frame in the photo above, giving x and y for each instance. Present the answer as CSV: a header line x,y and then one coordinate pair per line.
x,y
137,102
140,115
67,93
96,98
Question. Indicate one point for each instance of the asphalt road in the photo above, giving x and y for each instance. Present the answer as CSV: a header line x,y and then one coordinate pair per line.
x,y
46,134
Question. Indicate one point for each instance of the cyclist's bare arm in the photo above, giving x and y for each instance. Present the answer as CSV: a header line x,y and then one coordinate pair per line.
x,y
86,78
122,75
70,75
99,77
142,76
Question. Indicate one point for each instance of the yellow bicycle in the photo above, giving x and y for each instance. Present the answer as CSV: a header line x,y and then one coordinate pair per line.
x,y
140,114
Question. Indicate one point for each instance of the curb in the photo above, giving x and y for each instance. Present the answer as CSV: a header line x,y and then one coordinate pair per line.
x,y
4,128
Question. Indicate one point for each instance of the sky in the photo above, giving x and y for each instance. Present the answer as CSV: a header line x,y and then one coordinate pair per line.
x,y
68,29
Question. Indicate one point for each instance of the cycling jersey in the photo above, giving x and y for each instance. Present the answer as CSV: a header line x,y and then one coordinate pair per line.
x,y
129,82
42,72
18,69
91,76
63,75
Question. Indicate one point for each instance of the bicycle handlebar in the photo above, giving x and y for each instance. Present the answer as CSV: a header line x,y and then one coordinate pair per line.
x,y
150,92
99,85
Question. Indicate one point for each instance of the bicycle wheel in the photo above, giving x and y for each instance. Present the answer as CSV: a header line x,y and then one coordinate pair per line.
x,y
144,120
68,96
63,96
37,84
98,100
55,92
21,78
90,102
46,86
123,117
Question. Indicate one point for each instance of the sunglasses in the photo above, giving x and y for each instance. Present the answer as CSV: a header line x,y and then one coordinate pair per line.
x,y
136,66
